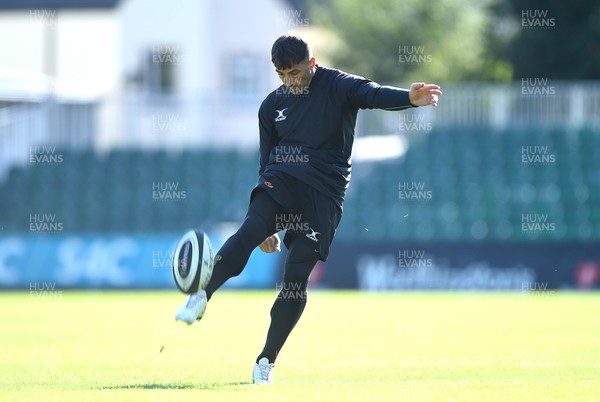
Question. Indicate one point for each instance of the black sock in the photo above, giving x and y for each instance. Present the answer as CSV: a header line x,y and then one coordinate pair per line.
x,y
284,316
291,300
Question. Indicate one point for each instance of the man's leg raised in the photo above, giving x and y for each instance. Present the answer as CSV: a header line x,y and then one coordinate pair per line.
x,y
233,256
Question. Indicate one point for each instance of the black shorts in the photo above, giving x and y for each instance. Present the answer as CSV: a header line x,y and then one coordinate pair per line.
x,y
311,216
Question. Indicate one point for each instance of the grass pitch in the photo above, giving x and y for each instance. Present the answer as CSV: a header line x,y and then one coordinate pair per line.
x,y
347,347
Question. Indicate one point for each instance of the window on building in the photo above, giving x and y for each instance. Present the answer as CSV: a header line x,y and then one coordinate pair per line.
x,y
242,77
159,69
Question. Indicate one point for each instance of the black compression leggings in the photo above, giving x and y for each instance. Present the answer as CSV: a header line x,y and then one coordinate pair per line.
x,y
291,300
257,226
231,259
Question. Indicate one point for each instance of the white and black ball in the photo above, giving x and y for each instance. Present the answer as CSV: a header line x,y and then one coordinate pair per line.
x,y
193,262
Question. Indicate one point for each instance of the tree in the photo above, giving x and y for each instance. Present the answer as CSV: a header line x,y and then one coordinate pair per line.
x,y
555,39
402,41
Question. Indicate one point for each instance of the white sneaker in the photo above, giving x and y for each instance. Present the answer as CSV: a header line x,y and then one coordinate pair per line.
x,y
193,309
263,372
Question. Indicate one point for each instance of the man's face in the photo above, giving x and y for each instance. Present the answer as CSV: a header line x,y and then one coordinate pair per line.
x,y
297,78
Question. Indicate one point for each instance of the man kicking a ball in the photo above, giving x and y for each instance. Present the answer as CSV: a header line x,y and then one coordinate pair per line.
x,y
306,135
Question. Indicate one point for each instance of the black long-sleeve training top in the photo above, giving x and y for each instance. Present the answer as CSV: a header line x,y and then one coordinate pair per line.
x,y
309,136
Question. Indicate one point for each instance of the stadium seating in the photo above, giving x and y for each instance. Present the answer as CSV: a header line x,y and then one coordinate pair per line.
x,y
480,189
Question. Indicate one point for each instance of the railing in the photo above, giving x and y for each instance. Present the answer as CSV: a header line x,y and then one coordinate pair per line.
x,y
195,120
493,105
27,126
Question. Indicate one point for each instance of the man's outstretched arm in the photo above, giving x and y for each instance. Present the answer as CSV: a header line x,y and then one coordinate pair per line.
x,y
366,94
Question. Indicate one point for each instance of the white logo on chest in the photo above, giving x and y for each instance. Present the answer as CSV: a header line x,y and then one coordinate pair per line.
x,y
313,235
280,115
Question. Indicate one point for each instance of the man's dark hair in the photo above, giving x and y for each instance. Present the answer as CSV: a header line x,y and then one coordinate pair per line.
x,y
289,50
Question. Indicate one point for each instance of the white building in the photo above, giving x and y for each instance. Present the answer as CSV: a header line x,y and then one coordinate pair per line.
x,y
195,72
136,73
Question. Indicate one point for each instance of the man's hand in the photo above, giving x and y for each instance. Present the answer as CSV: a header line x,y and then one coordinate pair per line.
x,y
422,94
271,244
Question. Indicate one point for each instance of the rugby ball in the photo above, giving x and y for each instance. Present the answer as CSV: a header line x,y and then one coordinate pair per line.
x,y
193,262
